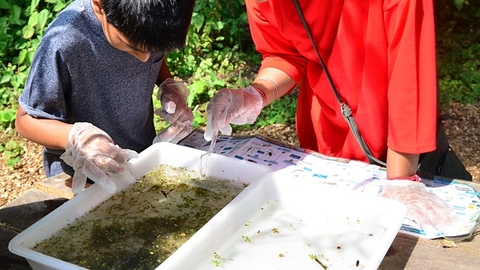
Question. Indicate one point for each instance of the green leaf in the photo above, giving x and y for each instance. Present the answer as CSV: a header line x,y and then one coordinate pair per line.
x,y
197,21
30,56
33,20
5,78
198,119
59,6
4,4
42,18
13,161
7,116
459,4
33,5
16,11
27,32
197,87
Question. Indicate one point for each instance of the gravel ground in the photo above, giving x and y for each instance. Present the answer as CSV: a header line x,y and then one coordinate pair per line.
x,y
462,127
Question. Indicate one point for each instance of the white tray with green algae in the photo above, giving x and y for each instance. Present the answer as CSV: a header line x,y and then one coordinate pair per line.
x,y
217,167
280,223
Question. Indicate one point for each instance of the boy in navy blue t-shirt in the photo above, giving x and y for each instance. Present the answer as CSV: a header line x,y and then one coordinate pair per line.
x,y
88,97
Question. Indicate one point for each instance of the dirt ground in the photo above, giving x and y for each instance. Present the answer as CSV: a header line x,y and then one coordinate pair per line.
x,y
462,126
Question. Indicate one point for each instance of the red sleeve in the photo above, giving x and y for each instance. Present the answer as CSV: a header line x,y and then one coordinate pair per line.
x,y
277,51
412,93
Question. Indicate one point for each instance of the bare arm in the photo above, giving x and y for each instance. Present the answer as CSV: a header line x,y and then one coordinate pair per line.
x,y
164,73
47,132
401,164
270,78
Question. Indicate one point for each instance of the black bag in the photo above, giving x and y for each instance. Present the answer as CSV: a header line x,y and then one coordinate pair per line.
x,y
443,161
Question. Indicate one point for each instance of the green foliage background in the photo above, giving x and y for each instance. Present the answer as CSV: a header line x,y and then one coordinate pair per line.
x,y
458,50
22,23
219,53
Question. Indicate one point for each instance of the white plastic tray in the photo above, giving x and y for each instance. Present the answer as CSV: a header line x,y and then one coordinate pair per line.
x,y
217,167
280,223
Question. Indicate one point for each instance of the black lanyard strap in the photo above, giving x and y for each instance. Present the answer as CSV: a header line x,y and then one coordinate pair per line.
x,y
344,108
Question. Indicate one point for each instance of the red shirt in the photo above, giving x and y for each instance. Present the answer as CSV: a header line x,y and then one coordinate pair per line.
x,y
381,55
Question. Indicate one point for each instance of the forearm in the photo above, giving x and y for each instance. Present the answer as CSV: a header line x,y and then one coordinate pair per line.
x,y
47,132
164,73
274,82
401,164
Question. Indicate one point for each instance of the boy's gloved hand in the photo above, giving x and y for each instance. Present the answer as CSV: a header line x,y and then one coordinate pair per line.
x,y
229,106
92,153
174,133
173,97
429,211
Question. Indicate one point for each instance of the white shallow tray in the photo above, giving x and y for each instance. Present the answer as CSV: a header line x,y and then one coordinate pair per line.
x,y
217,167
279,223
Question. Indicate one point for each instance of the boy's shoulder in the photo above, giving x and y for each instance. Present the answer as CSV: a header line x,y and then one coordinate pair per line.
x,y
74,24
70,13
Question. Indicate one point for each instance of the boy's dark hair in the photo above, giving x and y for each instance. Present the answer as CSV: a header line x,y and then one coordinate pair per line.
x,y
151,25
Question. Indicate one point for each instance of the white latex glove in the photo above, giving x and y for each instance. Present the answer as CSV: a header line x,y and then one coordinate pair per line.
x,y
92,153
173,97
229,106
430,212
173,133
